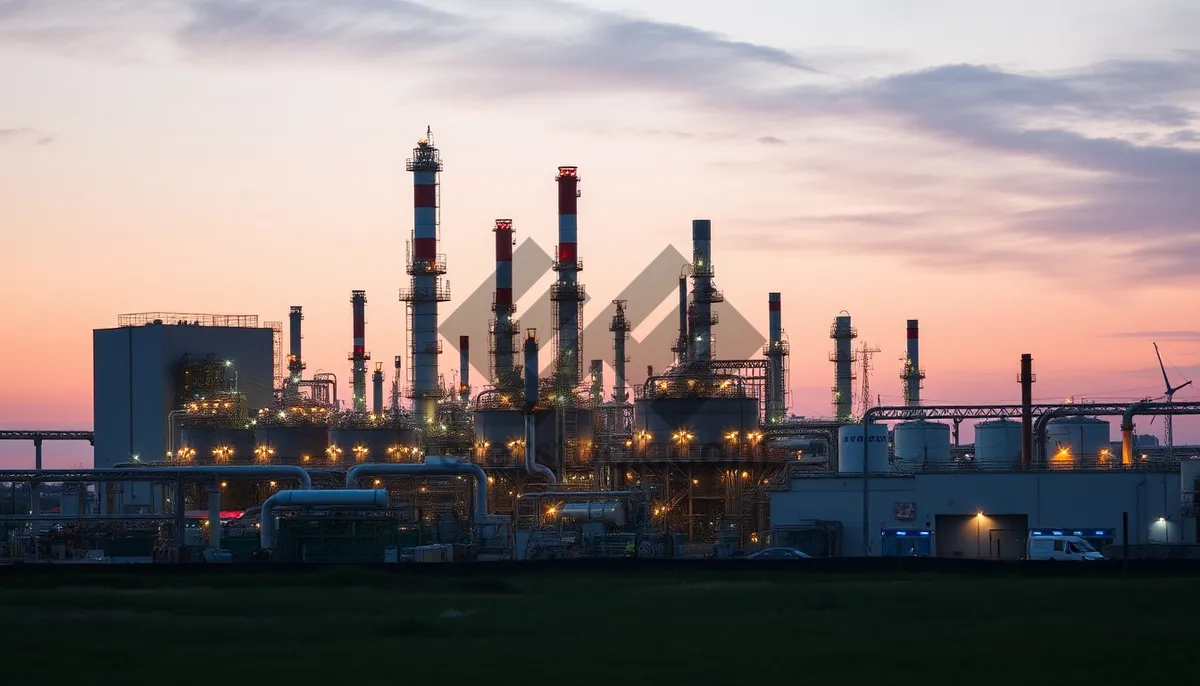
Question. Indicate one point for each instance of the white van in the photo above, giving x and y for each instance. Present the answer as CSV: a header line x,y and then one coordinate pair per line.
x,y
1060,547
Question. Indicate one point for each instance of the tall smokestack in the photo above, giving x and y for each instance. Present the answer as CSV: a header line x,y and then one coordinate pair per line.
x,y
913,376
703,292
426,267
464,368
620,330
1027,380
682,343
531,399
359,355
504,328
295,360
377,389
843,358
567,293
776,352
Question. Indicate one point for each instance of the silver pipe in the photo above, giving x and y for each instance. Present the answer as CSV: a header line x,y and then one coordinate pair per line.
x,y
584,494
167,473
377,497
449,468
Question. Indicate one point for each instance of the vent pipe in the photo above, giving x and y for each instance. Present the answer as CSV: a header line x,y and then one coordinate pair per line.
x,y
913,376
532,466
359,356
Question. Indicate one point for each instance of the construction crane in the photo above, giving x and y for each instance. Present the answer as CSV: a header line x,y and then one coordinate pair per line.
x,y
864,398
1167,429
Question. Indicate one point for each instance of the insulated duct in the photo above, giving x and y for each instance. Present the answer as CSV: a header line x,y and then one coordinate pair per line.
x,y
348,498
433,466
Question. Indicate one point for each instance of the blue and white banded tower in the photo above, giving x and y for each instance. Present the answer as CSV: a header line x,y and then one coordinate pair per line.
x,y
426,267
567,294
704,295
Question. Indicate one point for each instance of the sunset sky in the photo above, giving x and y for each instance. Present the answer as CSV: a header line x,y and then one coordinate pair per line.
x,y
1020,176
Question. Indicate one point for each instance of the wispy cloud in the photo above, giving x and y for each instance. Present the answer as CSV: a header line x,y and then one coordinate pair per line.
x,y
1159,335
25,134
772,140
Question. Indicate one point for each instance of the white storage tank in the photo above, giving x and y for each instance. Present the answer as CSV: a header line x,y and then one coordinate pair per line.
x,y
852,449
998,442
922,442
1070,439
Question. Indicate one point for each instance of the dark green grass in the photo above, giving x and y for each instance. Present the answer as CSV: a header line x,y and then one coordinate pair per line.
x,y
365,627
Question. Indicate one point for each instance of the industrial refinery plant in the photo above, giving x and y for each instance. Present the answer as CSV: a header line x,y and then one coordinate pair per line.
x,y
212,443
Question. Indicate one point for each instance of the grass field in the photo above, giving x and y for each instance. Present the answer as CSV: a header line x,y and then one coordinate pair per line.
x,y
361,627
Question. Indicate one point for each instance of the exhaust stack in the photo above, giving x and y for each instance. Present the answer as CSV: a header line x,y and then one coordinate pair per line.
x,y
776,352
1027,380
704,295
567,294
377,389
504,328
359,355
426,267
913,375
464,369
295,360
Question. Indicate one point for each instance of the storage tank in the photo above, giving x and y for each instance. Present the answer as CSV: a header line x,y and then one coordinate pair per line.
x,y
209,445
1069,439
708,419
607,511
922,442
852,449
998,442
372,444
291,444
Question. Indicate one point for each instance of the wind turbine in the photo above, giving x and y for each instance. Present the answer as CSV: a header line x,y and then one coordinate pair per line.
x,y
1170,398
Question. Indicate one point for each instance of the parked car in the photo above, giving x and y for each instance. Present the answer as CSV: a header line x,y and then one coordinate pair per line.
x,y
779,554
1061,548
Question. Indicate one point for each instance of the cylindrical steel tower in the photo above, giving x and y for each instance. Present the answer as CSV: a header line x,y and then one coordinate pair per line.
x,y
567,293
703,292
464,368
843,358
1027,379
682,344
396,384
359,356
377,388
426,267
531,371
912,376
504,328
620,329
597,381
295,360
776,352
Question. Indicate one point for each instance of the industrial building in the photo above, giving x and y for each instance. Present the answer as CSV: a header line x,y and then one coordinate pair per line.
x,y
221,434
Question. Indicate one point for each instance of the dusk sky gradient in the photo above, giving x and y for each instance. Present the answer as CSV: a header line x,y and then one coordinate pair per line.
x,y
1019,176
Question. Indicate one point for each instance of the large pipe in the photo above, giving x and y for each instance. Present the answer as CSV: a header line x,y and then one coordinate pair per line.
x,y
140,474
1026,380
427,290
843,335
377,389
683,344
359,355
504,329
433,466
464,368
295,360
567,293
703,293
913,375
776,408
620,330
349,498
532,466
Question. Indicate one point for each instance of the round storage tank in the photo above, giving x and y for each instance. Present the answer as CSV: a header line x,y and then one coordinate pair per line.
x,y
998,442
371,444
1070,439
208,445
852,448
922,442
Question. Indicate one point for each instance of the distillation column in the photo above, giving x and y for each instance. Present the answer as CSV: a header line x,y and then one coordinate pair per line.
x,y
567,293
464,368
913,376
704,295
504,328
776,353
683,342
359,355
377,389
620,329
426,267
295,360
843,359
